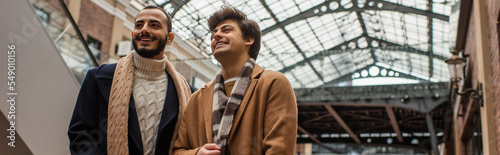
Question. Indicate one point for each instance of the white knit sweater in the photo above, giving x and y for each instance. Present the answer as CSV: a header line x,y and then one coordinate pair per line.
x,y
150,89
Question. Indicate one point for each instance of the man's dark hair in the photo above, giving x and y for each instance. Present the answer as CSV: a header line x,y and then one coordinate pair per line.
x,y
169,19
249,28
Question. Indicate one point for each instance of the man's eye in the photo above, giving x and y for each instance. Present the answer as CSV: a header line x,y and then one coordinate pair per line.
x,y
138,25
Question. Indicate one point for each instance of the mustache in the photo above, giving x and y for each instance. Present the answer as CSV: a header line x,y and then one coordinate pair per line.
x,y
153,38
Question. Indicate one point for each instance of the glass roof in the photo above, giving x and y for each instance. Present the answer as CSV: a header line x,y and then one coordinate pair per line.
x,y
334,42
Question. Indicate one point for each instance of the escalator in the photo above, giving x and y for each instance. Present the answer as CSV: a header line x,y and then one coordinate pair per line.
x,y
44,72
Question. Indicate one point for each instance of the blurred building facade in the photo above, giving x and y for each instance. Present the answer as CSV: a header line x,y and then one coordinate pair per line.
x,y
477,121
107,27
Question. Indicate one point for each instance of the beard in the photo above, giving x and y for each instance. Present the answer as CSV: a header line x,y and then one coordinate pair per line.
x,y
149,53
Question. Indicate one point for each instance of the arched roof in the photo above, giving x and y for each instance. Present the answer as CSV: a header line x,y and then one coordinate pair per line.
x,y
320,43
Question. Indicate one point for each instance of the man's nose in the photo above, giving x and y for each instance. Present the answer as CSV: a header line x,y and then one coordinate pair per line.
x,y
145,30
217,35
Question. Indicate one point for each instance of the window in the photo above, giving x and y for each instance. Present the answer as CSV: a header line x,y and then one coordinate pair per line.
x,y
93,43
44,16
95,47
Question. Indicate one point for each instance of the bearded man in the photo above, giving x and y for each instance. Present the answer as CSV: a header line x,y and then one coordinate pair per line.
x,y
134,106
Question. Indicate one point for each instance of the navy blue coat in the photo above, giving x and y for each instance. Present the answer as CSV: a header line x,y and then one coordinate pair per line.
x,y
88,126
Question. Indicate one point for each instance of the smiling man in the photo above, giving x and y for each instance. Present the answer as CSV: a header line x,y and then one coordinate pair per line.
x,y
134,106
245,109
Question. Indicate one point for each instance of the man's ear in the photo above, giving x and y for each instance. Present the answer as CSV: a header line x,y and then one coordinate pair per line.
x,y
249,41
170,38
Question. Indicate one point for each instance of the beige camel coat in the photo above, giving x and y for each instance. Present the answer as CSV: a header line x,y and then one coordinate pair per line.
x,y
265,122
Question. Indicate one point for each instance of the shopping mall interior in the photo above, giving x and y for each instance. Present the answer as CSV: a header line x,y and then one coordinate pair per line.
x,y
369,76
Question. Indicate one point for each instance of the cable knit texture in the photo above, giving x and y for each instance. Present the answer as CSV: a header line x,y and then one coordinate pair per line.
x,y
150,85
121,89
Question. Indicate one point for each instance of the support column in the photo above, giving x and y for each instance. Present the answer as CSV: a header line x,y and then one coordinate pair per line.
x,y
484,76
308,149
432,131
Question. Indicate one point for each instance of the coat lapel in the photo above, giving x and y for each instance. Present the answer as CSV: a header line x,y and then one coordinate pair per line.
x,y
207,111
207,106
134,131
104,79
256,72
170,109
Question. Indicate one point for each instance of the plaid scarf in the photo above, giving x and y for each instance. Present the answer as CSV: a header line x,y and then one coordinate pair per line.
x,y
224,108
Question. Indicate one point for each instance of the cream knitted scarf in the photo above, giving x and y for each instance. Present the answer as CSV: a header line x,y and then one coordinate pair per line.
x,y
121,89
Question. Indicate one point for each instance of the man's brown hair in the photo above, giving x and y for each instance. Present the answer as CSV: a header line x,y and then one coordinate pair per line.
x,y
249,28
169,19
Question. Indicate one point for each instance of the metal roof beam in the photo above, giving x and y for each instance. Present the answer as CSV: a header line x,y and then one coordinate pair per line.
x,y
430,40
337,117
394,122
386,6
177,4
348,77
371,118
291,40
309,135
365,33
383,44
338,49
422,97
315,119
372,128
315,56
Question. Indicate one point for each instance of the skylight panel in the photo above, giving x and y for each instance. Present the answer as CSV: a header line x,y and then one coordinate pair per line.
x,y
263,60
331,75
362,43
283,10
261,16
440,71
239,4
360,57
420,63
269,62
307,4
291,9
160,1
319,33
306,75
270,43
327,31
441,49
346,69
293,80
